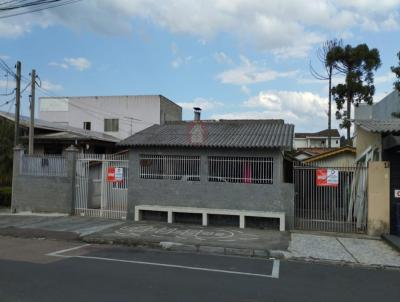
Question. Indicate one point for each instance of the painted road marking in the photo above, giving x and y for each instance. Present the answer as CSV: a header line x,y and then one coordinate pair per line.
x,y
274,274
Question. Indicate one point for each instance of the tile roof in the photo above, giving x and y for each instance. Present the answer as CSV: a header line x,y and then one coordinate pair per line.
x,y
330,153
41,124
323,133
217,134
316,151
380,126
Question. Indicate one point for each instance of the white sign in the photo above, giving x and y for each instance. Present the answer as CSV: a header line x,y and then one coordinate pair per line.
x,y
53,104
396,193
119,174
327,177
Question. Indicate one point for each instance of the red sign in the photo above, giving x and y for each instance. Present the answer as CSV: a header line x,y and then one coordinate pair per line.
x,y
111,174
327,177
115,174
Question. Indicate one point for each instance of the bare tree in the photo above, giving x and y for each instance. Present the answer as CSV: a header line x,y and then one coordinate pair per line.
x,y
326,75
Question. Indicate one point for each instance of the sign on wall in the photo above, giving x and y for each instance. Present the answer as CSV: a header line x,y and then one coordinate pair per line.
x,y
327,177
396,193
115,174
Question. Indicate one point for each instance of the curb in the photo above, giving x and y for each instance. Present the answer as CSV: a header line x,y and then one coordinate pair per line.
x,y
180,247
393,241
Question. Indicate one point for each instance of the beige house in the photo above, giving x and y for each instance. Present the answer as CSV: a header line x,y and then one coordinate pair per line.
x,y
340,157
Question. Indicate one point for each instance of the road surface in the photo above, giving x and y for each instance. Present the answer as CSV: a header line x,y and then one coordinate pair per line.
x,y
48,270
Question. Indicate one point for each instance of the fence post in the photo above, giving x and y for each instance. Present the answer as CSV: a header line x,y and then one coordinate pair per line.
x,y
71,154
17,162
378,198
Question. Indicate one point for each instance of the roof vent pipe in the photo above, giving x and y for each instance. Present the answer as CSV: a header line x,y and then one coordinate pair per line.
x,y
197,113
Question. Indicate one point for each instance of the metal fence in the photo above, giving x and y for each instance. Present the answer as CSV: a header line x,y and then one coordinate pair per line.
x,y
101,191
252,170
176,167
43,165
338,204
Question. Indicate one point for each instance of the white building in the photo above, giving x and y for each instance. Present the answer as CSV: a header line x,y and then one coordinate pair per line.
x,y
118,116
317,140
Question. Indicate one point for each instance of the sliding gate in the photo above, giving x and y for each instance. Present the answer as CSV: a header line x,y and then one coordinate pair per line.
x,y
101,185
332,199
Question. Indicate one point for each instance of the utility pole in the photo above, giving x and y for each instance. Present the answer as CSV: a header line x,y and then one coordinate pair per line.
x,y
17,102
32,108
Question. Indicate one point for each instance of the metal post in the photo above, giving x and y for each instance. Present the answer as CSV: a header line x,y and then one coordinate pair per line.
x,y
32,108
17,103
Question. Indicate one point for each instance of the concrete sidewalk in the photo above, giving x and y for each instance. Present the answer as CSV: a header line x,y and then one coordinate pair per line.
x,y
351,250
222,240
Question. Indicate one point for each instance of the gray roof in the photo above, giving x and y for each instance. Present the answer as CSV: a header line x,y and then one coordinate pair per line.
x,y
380,126
77,132
217,134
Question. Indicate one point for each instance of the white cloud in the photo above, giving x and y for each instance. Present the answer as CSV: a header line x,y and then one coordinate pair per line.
x,y
179,61
304,109
389,77
286,28
79,63
204,104
246,90
47,85
222,58
249,72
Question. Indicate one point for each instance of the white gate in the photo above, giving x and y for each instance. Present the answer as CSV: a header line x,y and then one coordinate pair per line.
x,y
101,185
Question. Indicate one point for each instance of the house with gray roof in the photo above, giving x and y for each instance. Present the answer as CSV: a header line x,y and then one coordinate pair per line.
x,y
220,167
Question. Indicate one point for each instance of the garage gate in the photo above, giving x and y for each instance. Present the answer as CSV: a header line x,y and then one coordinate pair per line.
x,y
331,199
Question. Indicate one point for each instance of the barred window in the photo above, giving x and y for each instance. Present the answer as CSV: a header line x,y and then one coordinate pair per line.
x,y
251,170
176,167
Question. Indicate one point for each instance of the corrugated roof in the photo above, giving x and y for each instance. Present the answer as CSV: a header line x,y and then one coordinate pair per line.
x,y
380,126
323,133
218,134
41,124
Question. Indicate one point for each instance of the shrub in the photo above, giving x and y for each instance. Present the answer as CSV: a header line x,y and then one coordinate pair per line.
x,y
5,196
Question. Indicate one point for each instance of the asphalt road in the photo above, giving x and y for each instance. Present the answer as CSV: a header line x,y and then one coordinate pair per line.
x,y
46,270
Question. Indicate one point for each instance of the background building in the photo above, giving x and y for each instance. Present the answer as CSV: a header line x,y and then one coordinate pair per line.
x,y
119,116
317,139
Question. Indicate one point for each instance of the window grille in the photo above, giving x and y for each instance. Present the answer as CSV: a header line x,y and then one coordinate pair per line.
x,y
251,170
176,167
111,125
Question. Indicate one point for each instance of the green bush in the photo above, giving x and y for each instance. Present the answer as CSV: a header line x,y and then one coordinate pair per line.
x,y
5,196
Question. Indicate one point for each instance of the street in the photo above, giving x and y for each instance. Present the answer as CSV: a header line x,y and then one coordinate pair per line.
x,y
49,270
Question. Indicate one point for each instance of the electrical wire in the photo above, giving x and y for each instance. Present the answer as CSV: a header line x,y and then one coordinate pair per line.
x,y
31,6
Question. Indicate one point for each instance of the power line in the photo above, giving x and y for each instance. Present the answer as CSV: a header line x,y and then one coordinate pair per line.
x,y
31,7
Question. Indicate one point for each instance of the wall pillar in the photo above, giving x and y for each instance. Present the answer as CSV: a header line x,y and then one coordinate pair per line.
x,y
17,162
71,154
378,198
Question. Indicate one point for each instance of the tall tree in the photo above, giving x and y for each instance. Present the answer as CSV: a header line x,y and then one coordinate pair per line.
x,y
327,74
396,71
357,64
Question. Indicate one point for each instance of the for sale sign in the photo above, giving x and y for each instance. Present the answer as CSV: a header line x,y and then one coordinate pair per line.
x,y
327,177
115,174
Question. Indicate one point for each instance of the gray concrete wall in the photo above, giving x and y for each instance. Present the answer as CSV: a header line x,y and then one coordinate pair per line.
x,y
381,110
278,196
169,111
43,194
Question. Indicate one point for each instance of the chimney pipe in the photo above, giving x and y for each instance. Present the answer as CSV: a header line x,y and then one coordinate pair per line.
x,y
197,113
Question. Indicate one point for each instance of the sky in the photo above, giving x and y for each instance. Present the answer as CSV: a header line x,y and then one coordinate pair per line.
x,y
233,58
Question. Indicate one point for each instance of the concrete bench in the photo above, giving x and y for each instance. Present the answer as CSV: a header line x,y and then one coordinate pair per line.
x,y
207,211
